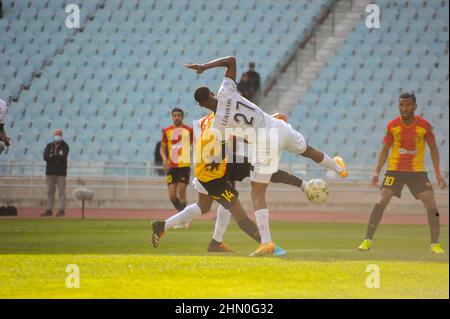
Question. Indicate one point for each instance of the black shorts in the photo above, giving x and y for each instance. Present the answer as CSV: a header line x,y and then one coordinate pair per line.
x,y
178,175
237,172
222,191
417,182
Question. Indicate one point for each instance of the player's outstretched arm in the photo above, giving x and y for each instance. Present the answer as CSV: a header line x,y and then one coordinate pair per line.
x,y
434,153
228,62
381,161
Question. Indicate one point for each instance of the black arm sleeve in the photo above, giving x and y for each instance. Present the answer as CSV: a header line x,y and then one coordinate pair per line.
x,y
282,177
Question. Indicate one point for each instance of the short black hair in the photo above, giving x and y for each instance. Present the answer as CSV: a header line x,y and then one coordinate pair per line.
x,y
176,109
408,95
201,94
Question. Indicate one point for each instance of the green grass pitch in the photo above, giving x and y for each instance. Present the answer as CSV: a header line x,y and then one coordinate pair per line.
x,y
116,260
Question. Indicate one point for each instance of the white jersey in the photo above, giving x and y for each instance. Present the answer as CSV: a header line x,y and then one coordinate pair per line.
x,y
271,135
3,109
234,111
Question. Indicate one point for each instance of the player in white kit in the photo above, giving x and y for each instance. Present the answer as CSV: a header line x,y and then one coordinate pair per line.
x,y
5,141
268,136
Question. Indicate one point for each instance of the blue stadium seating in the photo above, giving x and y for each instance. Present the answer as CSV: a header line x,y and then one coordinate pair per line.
x,y
362,81
125,77
110,86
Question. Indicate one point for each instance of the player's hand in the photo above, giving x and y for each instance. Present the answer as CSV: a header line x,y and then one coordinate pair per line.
x,y
374,180
280,117
442,184
198,68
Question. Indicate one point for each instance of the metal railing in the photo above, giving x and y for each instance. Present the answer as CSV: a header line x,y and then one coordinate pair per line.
x,y
105,175
145,170
95,175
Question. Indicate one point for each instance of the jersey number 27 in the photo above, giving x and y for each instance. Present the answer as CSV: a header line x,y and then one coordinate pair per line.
x,y
239,116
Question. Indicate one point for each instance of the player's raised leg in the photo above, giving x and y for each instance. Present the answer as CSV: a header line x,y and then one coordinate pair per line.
x,y
294,142
336,164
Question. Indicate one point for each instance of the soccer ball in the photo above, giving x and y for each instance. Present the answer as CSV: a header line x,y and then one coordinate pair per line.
x,y
317,191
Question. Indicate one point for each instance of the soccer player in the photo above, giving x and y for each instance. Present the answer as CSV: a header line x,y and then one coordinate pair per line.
x,y
175,151
5,141
405,138
214,177
232,111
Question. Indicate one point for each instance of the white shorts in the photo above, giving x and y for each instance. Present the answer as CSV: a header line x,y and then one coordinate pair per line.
x,y
199,187
266,161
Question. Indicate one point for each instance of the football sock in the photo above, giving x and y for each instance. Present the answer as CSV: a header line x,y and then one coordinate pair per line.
x,y
329,163
433,222
181,206
262,220
249,228
303,186
189,213
283,177
222,221
375,218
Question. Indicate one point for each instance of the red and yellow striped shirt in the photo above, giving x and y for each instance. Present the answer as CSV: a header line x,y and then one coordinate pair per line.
x,y
408,144
178,140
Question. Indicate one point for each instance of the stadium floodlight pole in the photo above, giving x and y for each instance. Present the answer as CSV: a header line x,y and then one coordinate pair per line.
x,y
82,209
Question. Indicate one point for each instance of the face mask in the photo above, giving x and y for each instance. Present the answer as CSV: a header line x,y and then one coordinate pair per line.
x,y
57,138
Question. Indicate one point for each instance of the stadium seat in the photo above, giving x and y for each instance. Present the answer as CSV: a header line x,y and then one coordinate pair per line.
x,y
110,75
369,94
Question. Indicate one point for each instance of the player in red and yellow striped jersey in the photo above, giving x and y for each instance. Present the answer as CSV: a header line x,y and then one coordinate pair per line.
x,y
176,154
405,138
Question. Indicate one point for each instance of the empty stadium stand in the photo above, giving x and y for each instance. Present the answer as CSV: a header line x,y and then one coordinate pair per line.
x,y
111,84
347,108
